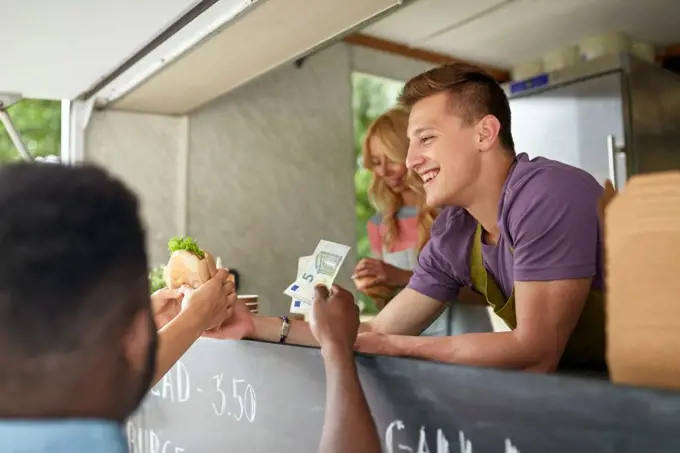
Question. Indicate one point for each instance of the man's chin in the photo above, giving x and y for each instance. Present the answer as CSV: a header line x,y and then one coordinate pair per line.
x,y
434,201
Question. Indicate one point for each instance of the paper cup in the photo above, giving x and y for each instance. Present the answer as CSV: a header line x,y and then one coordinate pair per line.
x,y
251,302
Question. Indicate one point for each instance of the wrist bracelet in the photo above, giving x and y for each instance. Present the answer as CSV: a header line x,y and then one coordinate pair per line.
x,y
285,328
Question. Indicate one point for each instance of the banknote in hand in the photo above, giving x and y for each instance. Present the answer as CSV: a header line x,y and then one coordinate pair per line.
x,y
298,306
322,269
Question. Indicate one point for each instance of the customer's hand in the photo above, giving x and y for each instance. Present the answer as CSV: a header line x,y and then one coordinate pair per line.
x,y
334,319
166,303
213,302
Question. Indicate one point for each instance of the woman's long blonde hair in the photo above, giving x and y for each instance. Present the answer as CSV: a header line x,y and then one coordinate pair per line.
x,y
390,129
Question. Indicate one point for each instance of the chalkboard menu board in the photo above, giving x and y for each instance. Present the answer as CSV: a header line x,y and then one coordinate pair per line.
x,y
241,397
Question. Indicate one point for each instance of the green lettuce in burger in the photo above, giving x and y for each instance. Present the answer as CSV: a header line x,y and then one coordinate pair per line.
x,y
188,265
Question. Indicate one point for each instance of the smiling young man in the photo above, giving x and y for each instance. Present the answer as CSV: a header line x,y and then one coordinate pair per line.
x,y
522,232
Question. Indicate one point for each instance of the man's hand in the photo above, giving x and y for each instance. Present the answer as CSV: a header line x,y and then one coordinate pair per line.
x,y
166,303
334,319
213,302
374,343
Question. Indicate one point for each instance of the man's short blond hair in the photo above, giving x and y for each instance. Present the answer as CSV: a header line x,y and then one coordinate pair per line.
x,y
473,94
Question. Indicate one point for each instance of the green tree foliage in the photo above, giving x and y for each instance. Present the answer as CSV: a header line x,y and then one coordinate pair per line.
x,y
370,98
39,124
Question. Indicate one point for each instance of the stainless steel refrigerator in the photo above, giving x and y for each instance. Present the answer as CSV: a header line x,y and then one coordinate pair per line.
x,y
614,116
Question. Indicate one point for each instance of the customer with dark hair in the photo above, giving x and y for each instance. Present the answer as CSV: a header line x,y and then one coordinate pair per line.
x,y
78,345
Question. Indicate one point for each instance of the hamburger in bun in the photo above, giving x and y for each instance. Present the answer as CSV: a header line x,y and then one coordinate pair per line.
x,y
188,265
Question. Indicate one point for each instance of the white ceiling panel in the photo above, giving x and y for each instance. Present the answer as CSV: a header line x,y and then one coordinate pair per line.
x,y
421,19
56,49
193,33
270,34
520,30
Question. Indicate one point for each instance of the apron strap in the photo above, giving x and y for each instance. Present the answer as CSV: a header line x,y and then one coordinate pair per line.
x,y
484,283
477,270
586,346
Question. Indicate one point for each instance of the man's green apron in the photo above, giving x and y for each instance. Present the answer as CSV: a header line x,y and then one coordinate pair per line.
x,y
586,347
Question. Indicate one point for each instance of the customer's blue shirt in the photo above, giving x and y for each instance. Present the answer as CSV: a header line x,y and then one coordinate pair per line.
x,y
61,436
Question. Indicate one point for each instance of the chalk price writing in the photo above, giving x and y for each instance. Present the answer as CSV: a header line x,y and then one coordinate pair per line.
x,y
247,403
142,440
176,387
442,443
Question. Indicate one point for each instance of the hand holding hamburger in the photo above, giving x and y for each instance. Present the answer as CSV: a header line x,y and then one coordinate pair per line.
x,y
190,268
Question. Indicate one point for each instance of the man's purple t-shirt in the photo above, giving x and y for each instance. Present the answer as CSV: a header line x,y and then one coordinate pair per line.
x,y
547,214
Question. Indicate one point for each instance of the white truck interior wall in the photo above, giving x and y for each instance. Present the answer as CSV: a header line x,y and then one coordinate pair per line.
x,y
271,167
143,151
271,172
388,65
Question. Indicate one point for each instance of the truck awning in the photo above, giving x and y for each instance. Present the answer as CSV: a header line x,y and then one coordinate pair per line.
x,y
162,56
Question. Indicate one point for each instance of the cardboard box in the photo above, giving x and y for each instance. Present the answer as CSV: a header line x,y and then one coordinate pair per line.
x,y
642,248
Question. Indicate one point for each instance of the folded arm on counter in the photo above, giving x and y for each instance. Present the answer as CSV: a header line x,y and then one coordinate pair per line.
x,y
547,313
409,313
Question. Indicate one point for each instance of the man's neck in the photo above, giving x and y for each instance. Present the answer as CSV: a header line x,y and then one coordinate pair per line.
x,y
56,413
488,193
92,401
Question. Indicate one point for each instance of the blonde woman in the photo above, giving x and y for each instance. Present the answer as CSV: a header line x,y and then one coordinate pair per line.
x,y
402,227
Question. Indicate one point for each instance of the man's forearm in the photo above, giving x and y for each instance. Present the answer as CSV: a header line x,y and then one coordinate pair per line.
x,y
269,329
348,425
496,349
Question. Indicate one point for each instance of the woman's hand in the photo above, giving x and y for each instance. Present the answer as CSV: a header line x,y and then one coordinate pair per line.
x,y
371,272
240,325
